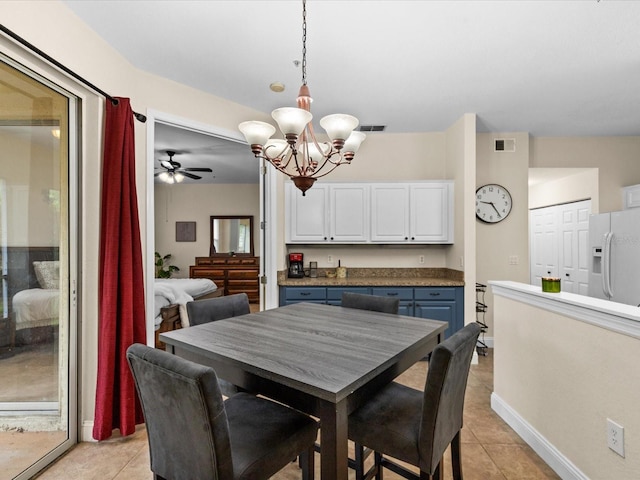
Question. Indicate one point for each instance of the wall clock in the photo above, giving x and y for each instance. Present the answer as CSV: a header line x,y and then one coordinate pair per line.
x,y
493,203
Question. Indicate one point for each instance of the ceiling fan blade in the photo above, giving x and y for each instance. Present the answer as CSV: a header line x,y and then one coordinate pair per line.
x,y
197,169
190,175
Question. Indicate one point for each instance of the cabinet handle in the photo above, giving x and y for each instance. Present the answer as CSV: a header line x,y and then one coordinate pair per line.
x,y
305,294
392,294
406,238
331,238
325,238
434,294
567,274
413,238
548,273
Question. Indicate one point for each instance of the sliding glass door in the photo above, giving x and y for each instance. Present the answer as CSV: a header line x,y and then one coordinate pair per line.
x,y
38,260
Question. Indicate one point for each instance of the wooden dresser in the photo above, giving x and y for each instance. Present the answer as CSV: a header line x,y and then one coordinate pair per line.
x,y
231,274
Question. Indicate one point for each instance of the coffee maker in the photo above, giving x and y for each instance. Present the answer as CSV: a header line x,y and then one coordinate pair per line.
x,y
296,270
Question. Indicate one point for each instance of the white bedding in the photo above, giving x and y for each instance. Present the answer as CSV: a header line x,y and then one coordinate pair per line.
x,y
179,291
36,307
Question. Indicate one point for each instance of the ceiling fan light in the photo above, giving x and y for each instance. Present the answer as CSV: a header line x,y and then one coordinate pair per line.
x,y
353,142
339,126
178,177
255,132
164,176
291,120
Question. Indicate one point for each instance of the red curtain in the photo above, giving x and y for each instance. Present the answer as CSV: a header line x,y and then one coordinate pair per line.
x,y
121,296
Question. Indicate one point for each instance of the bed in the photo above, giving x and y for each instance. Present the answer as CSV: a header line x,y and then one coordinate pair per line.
x,y
36,311
170,298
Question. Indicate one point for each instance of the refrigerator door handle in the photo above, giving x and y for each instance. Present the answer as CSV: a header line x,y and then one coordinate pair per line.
x,y
606,262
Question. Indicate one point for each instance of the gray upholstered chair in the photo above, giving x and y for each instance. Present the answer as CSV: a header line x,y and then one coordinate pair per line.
x,y
195,435
373,303
417,427
219,308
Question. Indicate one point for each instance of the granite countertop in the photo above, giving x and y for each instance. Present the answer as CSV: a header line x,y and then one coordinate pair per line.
x,y
379,277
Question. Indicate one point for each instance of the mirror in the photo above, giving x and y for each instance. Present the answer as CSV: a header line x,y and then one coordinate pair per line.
x,y
231,235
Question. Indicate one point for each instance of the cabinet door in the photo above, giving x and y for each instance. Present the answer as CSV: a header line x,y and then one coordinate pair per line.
x,y
431,213
442,311
348,213
389,213
306,221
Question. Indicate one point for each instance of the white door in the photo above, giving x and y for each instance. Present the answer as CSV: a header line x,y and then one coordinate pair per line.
x,y
573,225
543,244
430,219
348,213
389,213
559,245
307,220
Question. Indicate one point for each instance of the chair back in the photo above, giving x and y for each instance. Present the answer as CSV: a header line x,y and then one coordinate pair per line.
x,y
184,414
444,395
219,308
374,303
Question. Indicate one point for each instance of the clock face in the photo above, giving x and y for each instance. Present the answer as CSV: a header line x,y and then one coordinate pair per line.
x,y
493,203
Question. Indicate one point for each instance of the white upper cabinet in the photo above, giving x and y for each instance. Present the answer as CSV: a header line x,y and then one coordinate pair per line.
x,y
412,213
337,213
306,218
348,213
431,212
371,213
389,213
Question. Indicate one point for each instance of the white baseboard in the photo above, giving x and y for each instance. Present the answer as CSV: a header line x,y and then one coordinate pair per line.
x,y
86,432
549,453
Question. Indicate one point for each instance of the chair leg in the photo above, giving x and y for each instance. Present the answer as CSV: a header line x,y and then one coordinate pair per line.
x,y
307,464
359,463
377,460
456,460
437,474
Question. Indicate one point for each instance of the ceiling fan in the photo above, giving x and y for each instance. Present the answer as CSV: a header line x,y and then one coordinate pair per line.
x,y
174,173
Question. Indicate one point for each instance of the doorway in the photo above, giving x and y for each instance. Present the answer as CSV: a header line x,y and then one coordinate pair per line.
x,y
38,185
220,192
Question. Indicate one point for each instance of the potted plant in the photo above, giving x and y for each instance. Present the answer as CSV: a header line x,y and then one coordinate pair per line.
x,y
163,269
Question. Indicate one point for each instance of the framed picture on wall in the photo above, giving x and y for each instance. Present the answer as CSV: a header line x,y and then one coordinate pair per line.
x,y
185,231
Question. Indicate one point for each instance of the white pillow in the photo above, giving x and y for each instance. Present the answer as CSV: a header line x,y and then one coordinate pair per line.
x,y
48,274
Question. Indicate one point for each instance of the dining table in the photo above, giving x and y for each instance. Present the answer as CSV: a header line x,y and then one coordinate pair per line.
x,y
323,360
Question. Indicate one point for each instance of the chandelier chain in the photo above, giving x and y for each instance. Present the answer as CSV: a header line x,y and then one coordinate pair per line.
x,y
304,42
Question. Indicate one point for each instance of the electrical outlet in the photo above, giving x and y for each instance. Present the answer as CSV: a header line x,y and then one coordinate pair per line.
x,y
461,261
330,259
514,260
615,437
421,259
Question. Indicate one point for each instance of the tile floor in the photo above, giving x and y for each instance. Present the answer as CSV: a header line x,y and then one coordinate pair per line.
x,y
490,450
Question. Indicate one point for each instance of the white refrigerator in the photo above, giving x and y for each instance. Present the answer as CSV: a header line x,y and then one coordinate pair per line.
x,y
614,246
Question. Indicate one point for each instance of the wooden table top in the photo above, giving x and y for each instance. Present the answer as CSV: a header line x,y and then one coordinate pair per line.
x,y
323,350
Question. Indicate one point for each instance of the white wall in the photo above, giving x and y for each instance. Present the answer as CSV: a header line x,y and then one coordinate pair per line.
x,y
497,243
196,203
616,158
582,185
565,377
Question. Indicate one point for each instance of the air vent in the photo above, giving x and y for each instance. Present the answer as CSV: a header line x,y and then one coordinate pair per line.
x,y
505,145
371,128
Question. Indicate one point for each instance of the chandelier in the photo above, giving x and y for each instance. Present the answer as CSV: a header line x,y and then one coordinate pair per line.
x,y
300,156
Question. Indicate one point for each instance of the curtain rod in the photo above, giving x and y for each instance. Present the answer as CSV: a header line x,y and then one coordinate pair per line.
x,y
140,117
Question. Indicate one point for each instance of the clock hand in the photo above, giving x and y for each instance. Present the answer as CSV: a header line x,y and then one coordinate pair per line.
x,y
494,207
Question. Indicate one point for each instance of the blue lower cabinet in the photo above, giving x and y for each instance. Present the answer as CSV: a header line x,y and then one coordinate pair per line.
x,y
334,294
435,303
290,295
441,303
